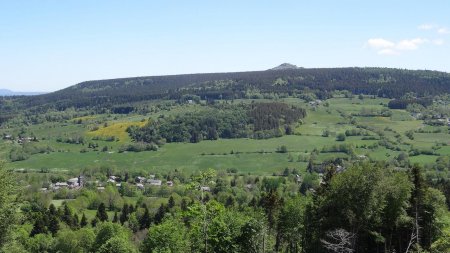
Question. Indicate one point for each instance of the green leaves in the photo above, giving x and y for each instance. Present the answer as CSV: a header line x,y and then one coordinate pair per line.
x,y
7,204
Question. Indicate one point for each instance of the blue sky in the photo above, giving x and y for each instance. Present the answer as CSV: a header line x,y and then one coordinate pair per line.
x,y
48,45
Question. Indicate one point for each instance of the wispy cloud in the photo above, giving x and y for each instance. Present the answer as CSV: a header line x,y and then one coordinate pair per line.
x,y
380,43
437,28
390,47
387,47
443,30
410,44
426,27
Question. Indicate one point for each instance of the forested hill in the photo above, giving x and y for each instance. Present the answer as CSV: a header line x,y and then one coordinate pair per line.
x,y
383,82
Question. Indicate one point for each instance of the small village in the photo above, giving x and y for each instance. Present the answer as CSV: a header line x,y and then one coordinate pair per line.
x,y
79,182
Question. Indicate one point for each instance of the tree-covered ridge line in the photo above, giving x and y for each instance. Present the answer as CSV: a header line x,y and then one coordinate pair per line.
x,y
257,120
383,82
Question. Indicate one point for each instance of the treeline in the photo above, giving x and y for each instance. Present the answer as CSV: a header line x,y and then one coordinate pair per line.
x,y
259,120
25,151
98,95
267,116
403,103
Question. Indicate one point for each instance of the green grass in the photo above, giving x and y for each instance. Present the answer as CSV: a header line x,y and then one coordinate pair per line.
x,y
249,155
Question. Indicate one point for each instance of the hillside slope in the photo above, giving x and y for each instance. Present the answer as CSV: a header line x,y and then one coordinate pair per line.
x,y
383,82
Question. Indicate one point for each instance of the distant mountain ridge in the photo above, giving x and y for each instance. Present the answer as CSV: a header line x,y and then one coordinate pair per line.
x,y
286,80
6,92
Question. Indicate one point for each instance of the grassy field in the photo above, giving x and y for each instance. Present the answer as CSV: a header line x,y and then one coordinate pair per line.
x,y
246,155
117,130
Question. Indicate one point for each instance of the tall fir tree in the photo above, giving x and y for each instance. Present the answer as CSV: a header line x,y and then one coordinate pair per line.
x,y
38,226
83,222
145,219
94,222
76,221
124,215
67,215
53,224
101,213
159,216
52,210
171,202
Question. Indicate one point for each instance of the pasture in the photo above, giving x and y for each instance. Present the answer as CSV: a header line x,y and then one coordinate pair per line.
x,y
246,155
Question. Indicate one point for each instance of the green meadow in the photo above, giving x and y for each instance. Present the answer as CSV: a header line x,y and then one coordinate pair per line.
x,y
246,155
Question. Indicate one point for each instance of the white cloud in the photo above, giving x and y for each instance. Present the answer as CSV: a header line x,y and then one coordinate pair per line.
x,y
387,47
426,27
380,43
437,28
443,30
410,44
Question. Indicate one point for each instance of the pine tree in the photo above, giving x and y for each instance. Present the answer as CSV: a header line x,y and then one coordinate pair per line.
x,y
67,215
115,218
101,213
39,226
145,219
53,224
271,203
76,221
94,222
83,222
159,216
52,210
171,203
124,214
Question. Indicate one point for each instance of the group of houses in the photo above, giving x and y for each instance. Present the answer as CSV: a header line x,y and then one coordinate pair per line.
x,y
72,183
20,140
140,182
316,102
79,182
437,118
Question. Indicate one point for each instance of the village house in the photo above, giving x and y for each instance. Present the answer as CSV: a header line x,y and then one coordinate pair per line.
x,y
154,182
140,180
61,184
73,182
112,179
115,178
170,183
316,102
24,140
58,185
